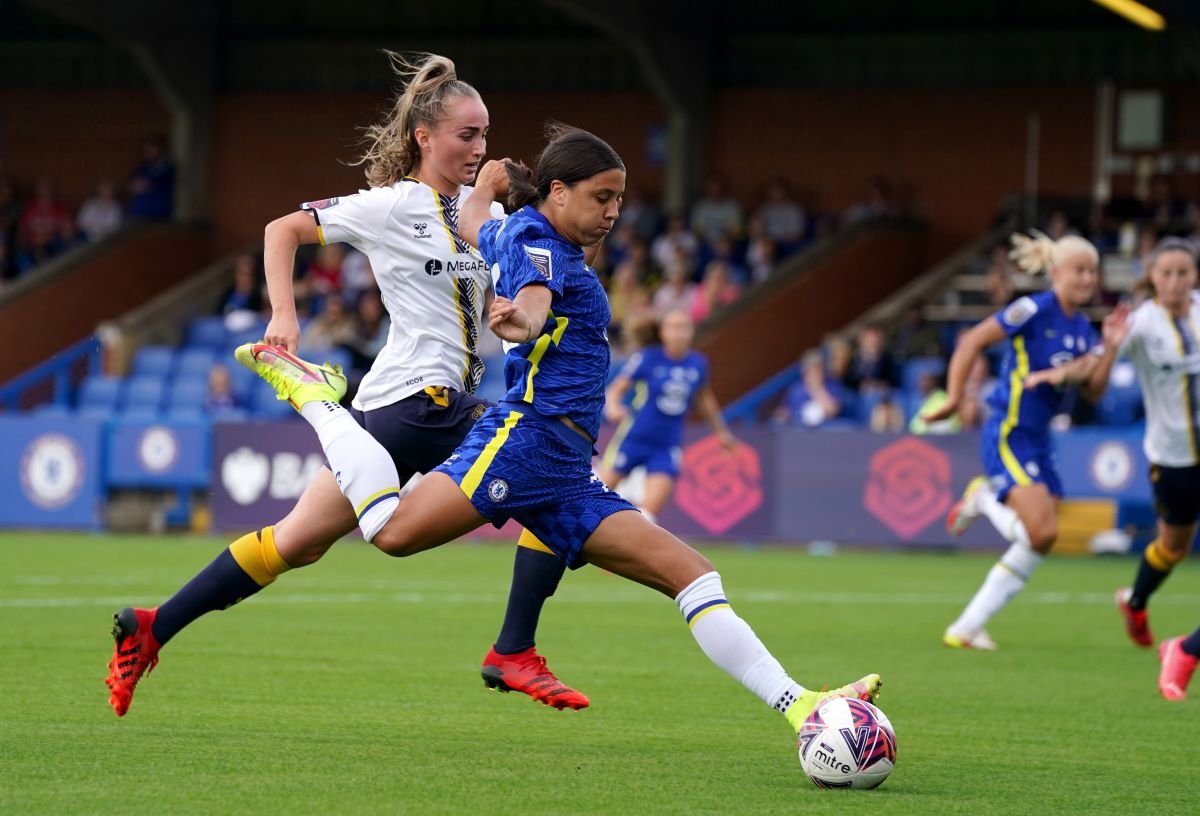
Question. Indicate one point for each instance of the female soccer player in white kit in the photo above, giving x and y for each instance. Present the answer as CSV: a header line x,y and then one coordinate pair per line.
x,y
417,399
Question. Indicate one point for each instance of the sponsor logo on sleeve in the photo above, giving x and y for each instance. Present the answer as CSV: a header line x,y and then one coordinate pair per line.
x,y
1019,311
540,258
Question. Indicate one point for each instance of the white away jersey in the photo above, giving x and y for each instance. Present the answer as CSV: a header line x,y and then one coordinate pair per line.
x,y
1164,351
433,285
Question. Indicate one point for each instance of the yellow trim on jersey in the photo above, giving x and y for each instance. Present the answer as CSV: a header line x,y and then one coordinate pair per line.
x,y
531,542
470,482
1016,384
437,202
640,395
466,335
1188,404
321,235
438,394
539,351
692,623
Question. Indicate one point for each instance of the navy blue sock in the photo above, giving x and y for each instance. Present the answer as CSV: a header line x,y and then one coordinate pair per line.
x,y
1149,577
535,577
1191,644
219,585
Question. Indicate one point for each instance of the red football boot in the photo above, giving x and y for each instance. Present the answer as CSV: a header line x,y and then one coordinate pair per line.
x,y
1137,623
1177,669
135,654
526,672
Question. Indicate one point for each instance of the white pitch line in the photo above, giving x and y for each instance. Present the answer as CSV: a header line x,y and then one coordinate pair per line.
x,y
752,596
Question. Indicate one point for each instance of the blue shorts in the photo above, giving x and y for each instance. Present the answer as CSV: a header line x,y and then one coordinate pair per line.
x,y
626,455
518,464
1017,458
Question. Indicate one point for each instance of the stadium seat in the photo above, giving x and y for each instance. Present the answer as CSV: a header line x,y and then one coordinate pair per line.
x,y
97,411
228,415
867,402
100,392
194,362
337,356
185,412
207,332
51,410
153,361
143,393
144,413
1120,406
264,404
918,366
242,381
187,392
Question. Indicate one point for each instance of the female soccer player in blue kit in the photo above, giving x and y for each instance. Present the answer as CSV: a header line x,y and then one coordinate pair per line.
x,y
1021,489
418,398
667,380
529,458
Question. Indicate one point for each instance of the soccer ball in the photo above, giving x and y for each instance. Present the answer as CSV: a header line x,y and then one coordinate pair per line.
x,y
847,743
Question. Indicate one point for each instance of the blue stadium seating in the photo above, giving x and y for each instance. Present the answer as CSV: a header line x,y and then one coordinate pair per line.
x,y
143,393
153,361
265,405
194,361
187,392
100,392
918,366
242,381
1120,406
229,415
337,356
207,332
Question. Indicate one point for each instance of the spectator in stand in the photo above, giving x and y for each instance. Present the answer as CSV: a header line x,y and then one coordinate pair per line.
x,y
783,220
872,368
357,275
151,185
332,328
914,337
1059,226
839,357
878,202
640,214
761,252
1163,210
372,326
676,292
717,289
725,251
997,280
816,399
676,240
1146,241
242,303
717,214
622,295
616,248
42,220
324,274
101,214
932,398
220,389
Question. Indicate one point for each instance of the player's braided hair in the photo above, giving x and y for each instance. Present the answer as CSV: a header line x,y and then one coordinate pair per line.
x,y
1038,252
570,155
429,83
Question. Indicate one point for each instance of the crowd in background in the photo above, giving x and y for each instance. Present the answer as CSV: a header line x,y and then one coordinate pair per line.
x,y
36,224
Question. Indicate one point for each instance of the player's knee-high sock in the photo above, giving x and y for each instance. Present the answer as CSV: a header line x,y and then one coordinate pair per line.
x,y
1003,518
536,573
1003,582
1157,563
1191,644
364,471
729,642
249,564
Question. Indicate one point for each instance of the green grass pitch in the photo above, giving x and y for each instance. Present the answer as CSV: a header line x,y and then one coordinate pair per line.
x,y
352,687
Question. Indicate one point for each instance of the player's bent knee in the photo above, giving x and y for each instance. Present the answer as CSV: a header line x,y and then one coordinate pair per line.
x,y
1043,536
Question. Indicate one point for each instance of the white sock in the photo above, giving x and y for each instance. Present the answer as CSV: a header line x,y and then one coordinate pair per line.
x,y
1003,582
1003,518
729,642
363,468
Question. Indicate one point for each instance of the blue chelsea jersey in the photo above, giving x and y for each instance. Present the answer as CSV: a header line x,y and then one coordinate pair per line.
x,y
663,392
1041,336
562,371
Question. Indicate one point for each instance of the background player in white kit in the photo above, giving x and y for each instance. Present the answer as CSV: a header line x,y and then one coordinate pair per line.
x,y
418,398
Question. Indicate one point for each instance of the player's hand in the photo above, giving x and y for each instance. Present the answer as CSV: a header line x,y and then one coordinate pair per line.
x,y
508,322
1047,376
493,179
616,413
1115,327
949,408
283,331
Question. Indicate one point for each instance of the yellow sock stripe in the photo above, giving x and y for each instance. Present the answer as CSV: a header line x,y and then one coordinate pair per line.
x,y
470,482
1016,384
1159,557
258,556
539,350
531,542
366,503
696,618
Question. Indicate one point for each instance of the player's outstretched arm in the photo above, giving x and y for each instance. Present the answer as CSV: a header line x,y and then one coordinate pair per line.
x,y
970,346
280,240
522,319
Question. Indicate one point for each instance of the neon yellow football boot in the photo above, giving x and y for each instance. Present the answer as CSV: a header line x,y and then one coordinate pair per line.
x,y
293,379
866,689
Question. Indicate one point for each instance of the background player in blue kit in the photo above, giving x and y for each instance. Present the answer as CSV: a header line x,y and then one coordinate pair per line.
x,y
667,380
1021,490
529,458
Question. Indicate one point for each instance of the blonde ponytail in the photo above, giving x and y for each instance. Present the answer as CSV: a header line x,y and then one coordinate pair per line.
x,y
1038,253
